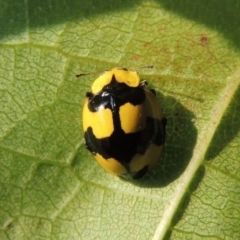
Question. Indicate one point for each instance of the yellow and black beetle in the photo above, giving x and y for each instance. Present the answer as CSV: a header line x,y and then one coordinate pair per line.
x,y
123,124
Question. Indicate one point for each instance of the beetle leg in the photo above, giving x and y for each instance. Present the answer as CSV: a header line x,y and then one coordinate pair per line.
x,y
143,84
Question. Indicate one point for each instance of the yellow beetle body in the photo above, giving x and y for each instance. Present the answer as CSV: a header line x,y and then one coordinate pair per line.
x,y
123,124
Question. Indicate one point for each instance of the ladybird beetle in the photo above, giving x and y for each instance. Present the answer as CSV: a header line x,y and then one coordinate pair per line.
x,y
123,124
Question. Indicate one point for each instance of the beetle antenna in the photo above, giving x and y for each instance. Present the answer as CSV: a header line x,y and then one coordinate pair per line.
x,y
89,73
140,67
81,74
148,66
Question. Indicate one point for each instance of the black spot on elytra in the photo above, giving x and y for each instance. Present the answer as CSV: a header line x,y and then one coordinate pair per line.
x,y
161,132
122,146
114,95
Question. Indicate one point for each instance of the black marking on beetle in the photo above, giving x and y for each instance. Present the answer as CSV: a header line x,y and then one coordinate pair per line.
x,y
114,95
123,147
160,126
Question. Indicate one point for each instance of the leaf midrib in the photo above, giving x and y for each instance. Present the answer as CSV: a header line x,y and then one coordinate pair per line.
x,y
203,142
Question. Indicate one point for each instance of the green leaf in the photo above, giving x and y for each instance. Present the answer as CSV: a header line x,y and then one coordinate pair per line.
x,y
51,187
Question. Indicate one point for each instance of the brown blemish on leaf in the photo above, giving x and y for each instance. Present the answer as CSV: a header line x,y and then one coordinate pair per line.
x,y
146,44
136,57
204,39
